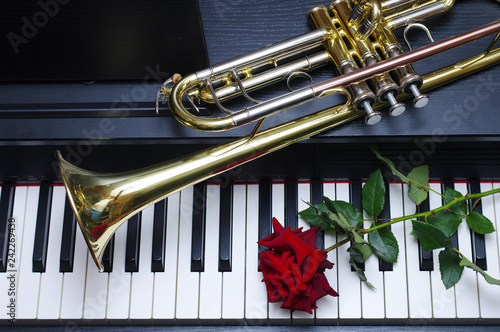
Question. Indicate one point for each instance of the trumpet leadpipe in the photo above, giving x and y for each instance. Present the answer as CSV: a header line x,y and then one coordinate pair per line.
x,y
304,40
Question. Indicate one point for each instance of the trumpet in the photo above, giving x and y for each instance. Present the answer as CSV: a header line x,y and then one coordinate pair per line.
x,y
374,72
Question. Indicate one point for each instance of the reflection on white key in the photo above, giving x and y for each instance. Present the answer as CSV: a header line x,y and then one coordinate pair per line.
x,y
141,296
118,303
466,289
233,283
255,291
187,282
165,283
489,294
73,292
349,284
304,195
9,282
52,280
419,285
96,294
396,304
328,306
372,300
29,282
276,314
211,278
443,301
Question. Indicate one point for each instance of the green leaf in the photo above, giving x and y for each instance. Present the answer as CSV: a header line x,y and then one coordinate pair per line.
x,y
389,164
358,238
459,208
384,244
312,216
467,263
429,236
419,177
446,221
374,194
350,213
333,219
363,249
479,223
450,268
361,273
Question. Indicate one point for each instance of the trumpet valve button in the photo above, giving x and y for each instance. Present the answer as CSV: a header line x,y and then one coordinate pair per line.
x,y
396,108
372,117
421,100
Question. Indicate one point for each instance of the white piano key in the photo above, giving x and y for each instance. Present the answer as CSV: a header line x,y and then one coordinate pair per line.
x,y
233,283
419,285
372,299
443,300
51,281
141,296
467,301
73,291
395,290
328,306
256,307
96,294
118,300
188,282
211,278
489,294
349,284
276,314
304,195
9,282
165,283
29,282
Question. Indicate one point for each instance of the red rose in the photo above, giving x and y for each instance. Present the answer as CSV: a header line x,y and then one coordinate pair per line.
x,y
293,268
97,231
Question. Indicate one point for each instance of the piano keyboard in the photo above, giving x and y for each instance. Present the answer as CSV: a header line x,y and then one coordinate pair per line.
x,y
192,259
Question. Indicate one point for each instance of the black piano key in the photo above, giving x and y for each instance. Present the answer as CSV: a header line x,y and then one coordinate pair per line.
x,y
478,245
42,228
265,211
291,197
225,227
68,239
6,207
356,199
198,231
107,257
426,260
384,216
159,236
317,197
133,243
444,185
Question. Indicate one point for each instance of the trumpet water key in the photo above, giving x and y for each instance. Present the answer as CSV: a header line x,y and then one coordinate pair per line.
x,y
355,36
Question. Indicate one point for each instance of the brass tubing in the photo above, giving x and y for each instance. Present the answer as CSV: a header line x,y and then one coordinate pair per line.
x,y
407,58
117,197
